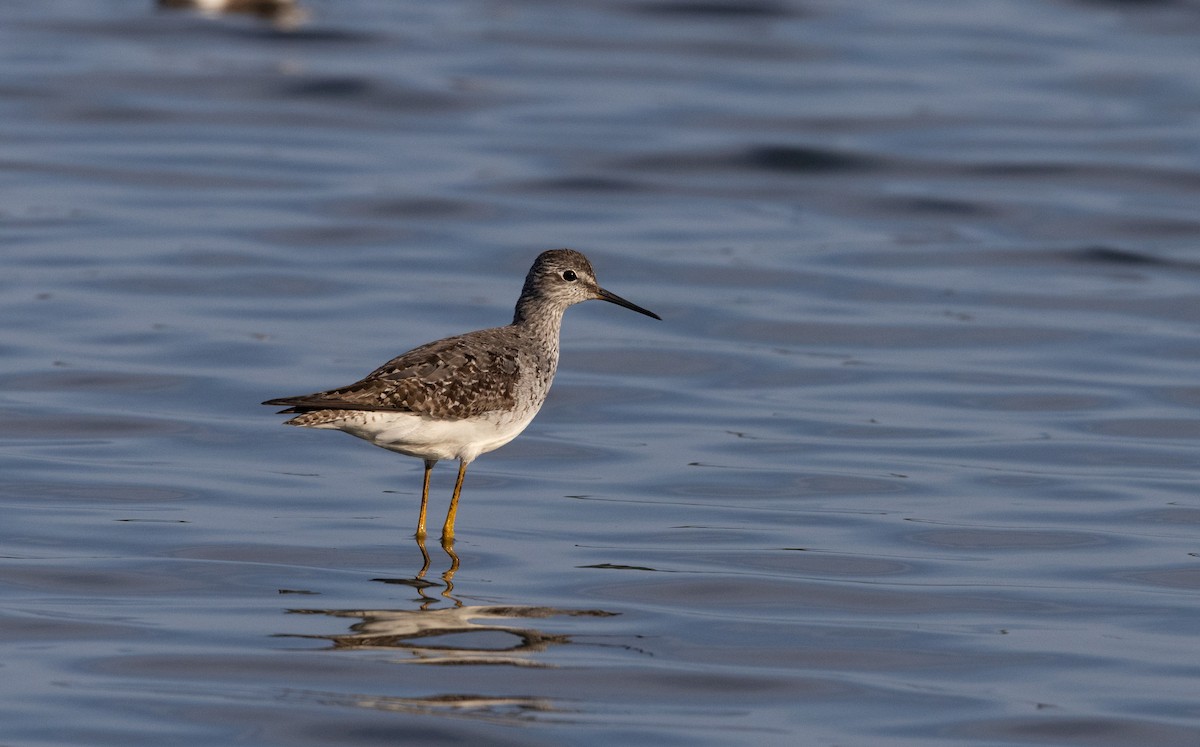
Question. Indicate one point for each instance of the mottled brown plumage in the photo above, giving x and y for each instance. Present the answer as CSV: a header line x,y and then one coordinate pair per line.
x,y
458,377
465,395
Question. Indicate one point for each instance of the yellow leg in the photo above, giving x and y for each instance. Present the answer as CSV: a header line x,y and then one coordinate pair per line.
x,y
424,498
448,527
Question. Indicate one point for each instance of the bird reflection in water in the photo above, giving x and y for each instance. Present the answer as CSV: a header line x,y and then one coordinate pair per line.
x,y
419,582
468,634
500,710
459,634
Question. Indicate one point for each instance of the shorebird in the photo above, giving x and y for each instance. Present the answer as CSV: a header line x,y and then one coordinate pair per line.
x,y
285,14
465,395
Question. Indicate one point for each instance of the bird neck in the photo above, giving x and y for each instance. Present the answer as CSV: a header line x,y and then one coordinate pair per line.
x,y
539,316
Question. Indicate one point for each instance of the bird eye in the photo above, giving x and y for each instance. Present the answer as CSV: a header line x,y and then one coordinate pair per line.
x,y
569,276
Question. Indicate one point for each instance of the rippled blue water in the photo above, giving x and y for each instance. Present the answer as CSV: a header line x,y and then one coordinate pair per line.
x,y
912,458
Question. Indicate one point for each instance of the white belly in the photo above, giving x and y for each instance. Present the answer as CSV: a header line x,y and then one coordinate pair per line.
x,y
429,438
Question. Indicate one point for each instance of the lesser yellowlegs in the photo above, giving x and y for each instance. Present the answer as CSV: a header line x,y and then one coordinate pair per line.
x,y
465,395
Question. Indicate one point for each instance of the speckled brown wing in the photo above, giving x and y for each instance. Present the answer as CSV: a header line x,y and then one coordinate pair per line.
x,y
458,377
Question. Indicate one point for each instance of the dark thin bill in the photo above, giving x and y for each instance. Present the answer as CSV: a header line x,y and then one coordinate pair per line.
x,y
614,298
